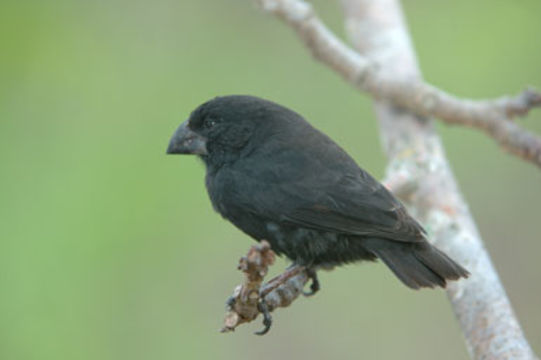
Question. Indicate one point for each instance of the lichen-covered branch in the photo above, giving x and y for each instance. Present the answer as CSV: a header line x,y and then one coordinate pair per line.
x,y
418,170
492,116
245,304
480,303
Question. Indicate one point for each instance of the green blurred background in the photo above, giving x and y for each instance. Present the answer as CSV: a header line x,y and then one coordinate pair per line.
x,y
110,249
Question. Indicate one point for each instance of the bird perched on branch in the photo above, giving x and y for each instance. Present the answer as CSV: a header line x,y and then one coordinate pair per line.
x,y
277,178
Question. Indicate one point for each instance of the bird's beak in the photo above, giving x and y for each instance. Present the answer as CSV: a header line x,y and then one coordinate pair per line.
x,y
185,141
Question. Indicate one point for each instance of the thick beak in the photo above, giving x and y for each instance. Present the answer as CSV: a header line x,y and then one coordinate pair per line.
x,y
185,141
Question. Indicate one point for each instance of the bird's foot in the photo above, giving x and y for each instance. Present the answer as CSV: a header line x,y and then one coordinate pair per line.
x,y
267,318
230,302
314,286
276,282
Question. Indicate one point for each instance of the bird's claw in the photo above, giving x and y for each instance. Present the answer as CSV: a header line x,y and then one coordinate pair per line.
x,y
230,302
267,319
314,286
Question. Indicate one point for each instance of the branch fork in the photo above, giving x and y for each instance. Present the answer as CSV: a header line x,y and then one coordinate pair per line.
x,y
492,116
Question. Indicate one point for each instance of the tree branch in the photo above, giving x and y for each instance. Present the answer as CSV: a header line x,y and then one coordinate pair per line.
x,y
492,116
418,168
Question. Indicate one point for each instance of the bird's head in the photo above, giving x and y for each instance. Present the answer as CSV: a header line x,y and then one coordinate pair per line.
x,y
221,129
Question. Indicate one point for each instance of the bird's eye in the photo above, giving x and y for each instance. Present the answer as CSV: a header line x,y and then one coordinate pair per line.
x,y
209,123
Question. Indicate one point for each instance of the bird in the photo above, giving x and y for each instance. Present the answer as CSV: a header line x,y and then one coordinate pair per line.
x,y
277,178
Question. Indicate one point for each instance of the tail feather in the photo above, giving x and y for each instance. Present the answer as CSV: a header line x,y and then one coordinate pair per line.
x,y
441,263
416,264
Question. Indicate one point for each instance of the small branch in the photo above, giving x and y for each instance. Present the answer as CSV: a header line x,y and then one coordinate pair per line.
x,y
244,305
323,44
521,105
491,116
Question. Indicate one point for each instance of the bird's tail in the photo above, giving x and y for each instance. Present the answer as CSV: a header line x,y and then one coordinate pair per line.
x,y
416,264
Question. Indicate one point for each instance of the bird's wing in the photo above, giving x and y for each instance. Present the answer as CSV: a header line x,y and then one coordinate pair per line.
x,y
355,205
328,194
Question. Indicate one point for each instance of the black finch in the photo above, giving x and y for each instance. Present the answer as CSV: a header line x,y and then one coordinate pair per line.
x,y
277,178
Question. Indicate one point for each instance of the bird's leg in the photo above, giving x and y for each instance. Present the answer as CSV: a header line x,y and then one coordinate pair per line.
x,y
314,286
280,279
274,283
267,318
